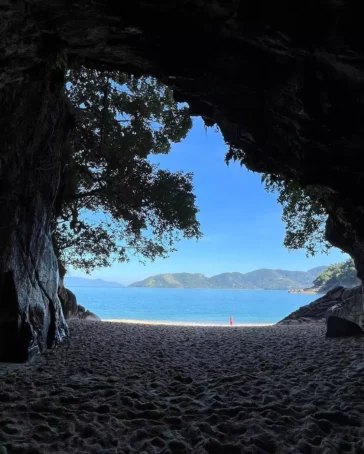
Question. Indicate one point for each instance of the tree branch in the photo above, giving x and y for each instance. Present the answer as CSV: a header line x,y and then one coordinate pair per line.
x,y
81,195
102,129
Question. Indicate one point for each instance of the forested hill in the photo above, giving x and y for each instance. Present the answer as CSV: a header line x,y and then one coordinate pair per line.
x,y
262,279
343,273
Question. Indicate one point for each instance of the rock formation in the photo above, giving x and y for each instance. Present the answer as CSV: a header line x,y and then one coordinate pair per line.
x,y
31,317
346,318
315,311
68,301
70,307
88,316
283,81
341,308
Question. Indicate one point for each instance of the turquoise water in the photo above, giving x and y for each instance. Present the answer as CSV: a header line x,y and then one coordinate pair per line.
x,y
191,305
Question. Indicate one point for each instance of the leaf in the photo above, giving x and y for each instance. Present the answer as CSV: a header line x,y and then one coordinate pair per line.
x,y
113,203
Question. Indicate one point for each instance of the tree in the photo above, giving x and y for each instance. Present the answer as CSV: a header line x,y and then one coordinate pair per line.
x,y
303,214
113,202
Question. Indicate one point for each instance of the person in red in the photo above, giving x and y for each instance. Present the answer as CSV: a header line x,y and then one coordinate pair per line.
x,y
231,321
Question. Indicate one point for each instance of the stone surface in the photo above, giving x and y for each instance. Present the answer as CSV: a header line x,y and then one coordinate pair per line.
x,y
68,302
70,307
347,316
283,81
315,311
31,317
89,317
341,308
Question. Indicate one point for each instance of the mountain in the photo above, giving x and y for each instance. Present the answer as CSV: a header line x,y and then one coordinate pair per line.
x,y
84,282
263,279
177,280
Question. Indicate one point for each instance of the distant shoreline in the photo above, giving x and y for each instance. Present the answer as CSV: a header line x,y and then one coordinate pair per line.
x,y
172,323
306,291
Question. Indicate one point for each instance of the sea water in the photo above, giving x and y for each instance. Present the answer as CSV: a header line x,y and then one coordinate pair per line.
x,y
191,305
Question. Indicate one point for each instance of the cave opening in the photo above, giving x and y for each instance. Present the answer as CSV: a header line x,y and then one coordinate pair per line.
x,y
287,99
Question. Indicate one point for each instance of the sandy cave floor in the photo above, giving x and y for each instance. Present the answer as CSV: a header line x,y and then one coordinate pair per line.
x,y
129,388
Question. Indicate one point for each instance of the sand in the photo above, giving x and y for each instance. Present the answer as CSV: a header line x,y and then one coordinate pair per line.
x,y
156,322
137,388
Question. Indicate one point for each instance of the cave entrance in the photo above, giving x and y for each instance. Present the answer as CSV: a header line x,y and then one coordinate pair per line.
x,y
286,97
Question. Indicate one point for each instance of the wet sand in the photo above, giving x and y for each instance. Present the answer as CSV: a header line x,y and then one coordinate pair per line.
x,y
139,388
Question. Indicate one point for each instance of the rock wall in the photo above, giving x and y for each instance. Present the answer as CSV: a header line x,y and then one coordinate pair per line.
x,y
34,124
284,82
346,317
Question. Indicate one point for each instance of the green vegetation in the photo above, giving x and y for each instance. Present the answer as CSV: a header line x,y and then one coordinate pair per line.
x,y
303,214
263,279
177,280
338,274
113,202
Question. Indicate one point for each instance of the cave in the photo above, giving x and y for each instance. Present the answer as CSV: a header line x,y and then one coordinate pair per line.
x,y
283,81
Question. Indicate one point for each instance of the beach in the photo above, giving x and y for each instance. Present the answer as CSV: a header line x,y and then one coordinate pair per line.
x,y
153,388
173,323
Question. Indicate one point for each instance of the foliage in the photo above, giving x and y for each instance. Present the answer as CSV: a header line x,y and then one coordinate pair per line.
x,y
113,202
343,273
303,215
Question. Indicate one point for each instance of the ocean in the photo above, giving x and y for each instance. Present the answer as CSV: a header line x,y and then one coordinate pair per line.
x,y
191,305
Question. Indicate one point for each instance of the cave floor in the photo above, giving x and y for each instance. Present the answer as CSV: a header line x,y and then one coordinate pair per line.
x,y
123,388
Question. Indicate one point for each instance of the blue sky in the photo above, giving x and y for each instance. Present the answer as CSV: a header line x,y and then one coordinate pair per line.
x,y
241,223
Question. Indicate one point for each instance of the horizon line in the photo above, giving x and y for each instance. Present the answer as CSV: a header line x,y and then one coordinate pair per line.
x,y
186,272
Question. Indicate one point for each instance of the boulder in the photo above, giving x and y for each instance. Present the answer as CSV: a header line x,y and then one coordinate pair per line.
x,y
341,308
346,318
67,298
83,314
315,312
90,317
70,307
69,303
81,310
